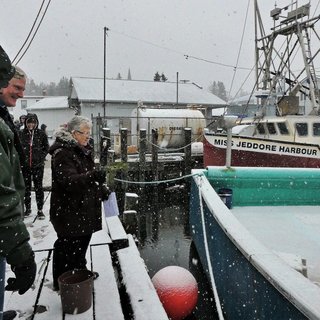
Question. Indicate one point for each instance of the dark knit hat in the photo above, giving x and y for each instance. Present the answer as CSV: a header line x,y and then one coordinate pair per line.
x,y
6,69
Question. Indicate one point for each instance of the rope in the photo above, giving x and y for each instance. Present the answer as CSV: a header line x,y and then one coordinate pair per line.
x,y
159,181
205,240
177,149
169,150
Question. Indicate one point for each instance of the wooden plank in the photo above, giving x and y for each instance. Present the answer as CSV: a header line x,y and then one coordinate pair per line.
x,y
142,294
117,233
106,294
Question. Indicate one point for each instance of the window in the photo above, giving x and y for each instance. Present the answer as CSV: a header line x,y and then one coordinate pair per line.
x,y
260,128
24,104
316,129
302,129
271,128
283,128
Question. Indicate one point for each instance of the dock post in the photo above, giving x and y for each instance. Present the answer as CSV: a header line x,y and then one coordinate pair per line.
x,y
154,151
142,154
187,157
124,173
154,164
105,144
187,150
124,144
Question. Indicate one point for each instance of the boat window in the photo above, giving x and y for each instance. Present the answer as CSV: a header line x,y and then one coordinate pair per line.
x,y
283,128
316,129
260,128
302,129
271,128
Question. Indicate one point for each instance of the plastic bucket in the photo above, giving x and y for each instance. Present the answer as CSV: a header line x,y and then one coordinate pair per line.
x,y
76,291
226,196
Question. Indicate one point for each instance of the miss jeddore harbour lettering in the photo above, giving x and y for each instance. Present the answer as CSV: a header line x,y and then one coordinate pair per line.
x,y
268,147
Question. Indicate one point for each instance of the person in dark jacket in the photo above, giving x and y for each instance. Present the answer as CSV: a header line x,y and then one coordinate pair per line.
x,y
36,146
9,96
14,237
77,192
43,127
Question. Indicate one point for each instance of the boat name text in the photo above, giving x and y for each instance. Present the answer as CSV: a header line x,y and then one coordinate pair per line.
x,y
267,147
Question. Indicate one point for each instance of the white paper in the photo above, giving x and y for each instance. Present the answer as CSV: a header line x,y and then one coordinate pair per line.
x,y
110,206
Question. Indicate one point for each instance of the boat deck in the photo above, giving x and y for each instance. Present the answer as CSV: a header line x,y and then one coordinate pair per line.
x,y
289,231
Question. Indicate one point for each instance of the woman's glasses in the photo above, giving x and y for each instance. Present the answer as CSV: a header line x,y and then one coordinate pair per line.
x,y
84,133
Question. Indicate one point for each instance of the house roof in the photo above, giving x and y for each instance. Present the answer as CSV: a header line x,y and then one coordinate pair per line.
x,y
60,102
91,89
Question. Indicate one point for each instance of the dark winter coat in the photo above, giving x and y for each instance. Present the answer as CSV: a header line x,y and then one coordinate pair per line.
x,y
75,207
13,232
35,143
5,115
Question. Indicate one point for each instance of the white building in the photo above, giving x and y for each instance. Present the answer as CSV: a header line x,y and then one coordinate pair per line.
x,y
122,96
23,104
52,111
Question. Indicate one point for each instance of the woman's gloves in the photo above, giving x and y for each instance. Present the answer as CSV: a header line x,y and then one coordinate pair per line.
x,y
25,274
99,175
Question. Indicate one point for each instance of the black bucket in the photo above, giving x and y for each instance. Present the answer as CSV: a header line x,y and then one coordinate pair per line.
x,y
76,291
226,196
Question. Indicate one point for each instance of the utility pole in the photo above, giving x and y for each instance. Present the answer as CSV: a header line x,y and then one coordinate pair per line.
x,y
177,88
105,29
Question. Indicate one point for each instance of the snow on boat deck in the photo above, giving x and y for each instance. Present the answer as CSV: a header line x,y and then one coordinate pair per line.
x,y
290,230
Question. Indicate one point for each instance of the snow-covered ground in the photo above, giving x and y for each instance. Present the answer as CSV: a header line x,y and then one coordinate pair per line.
x,y
42,238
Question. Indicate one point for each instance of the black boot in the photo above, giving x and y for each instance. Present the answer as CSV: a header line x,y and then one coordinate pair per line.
x,y
9,315
27,212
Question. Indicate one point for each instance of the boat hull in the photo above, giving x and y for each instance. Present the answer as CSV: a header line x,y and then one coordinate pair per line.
x,y
255,152
251,282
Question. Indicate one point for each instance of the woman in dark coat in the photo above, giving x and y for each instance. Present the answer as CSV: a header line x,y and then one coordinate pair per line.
x,y
77,192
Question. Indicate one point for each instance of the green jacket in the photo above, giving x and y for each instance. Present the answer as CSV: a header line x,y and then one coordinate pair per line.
x,y
14,236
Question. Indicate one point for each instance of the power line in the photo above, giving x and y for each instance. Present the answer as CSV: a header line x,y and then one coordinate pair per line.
x,y
187,56
241,42
34,34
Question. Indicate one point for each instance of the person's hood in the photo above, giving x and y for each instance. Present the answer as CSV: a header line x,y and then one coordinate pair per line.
x,y
6,69
31,117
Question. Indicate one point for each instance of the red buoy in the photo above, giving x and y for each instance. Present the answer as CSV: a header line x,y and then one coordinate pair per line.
x,y
177,290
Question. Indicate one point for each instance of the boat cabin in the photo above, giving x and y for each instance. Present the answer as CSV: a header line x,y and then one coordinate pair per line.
x,y
290,128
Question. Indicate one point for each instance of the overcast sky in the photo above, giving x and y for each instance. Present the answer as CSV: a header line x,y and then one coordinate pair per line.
x,y
145,35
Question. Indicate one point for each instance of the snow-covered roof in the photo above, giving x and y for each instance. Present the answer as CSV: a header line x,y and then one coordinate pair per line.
x,y
60,102
91,89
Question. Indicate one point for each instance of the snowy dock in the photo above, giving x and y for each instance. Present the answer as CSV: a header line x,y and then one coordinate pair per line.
x,y
123,289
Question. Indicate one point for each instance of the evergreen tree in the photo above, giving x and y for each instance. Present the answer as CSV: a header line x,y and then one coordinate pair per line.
x,y
163,78
62,88
119,76
51,89
218,89
222,91
129,75
157,77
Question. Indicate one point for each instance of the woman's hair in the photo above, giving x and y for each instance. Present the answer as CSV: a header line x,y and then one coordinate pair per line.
x,y
76,122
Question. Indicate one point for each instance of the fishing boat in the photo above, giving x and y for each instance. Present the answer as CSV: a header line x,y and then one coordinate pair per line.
x,y
285,129
257,233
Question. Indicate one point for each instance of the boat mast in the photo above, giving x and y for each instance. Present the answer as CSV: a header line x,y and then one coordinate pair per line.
x,y
275,72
